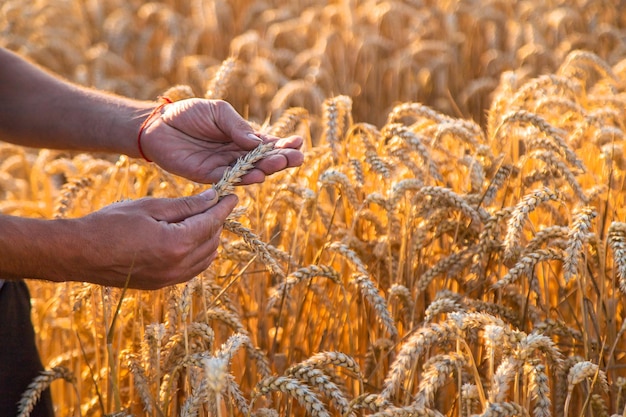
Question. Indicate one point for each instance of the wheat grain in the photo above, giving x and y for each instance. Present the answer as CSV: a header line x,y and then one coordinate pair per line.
x,y
373,218
547,235
400,188
533,342
455,129
580,372
151,349
174,348
414,110
469,399
339,359
265,412
598,405
494,309
583,370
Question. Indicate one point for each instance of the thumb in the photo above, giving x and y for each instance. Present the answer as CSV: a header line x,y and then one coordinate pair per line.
x,y
178,209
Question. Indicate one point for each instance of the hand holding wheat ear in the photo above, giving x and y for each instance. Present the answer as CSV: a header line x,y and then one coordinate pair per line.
x,y
201,139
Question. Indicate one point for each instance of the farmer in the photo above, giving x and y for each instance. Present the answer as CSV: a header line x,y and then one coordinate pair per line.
x,y
165,241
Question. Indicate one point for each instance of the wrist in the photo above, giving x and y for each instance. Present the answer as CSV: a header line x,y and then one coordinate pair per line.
x,y
154,114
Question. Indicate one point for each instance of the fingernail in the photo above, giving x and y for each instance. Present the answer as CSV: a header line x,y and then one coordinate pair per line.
x,y
254,137
209,194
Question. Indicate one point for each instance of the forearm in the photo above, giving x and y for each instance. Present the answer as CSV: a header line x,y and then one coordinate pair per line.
x,y
38,109
40,249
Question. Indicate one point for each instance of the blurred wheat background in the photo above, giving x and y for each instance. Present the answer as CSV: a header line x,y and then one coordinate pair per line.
x,y
454,244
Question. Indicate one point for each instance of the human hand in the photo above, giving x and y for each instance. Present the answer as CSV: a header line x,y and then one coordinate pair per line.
x,y
159,241
199,139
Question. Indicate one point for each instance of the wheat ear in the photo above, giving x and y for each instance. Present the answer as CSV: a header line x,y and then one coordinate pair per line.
x,y
617,241
436,372
372,295
528,204
315,378
256,245
539,387
294,388
414,348
233,174
219,83
576,238
504,409
31,396
305,273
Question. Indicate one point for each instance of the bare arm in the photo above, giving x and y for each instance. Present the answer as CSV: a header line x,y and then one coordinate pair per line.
x,y
197,139
159,242
39,109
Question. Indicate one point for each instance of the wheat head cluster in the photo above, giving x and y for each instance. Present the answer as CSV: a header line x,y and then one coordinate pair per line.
x,y
454,244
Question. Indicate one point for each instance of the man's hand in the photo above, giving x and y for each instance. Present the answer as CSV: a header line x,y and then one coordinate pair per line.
x,y
166,241
199,139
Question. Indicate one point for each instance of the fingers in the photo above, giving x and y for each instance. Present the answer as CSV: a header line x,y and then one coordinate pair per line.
x,y
290,142
179,209
216,215
233,125
201,233
217,120
201,258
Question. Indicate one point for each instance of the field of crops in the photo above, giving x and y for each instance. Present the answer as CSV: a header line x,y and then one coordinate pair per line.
x,y
454,244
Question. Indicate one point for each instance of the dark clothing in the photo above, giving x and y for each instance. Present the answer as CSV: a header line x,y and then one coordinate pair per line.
x,y
19,358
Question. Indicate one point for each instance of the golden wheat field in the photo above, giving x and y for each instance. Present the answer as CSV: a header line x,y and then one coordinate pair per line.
x,y
454,244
